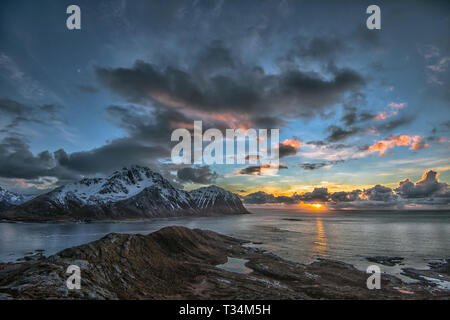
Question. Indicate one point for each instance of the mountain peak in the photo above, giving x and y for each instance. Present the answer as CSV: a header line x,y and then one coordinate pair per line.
x,y
218,198
9,199
133,192
120,185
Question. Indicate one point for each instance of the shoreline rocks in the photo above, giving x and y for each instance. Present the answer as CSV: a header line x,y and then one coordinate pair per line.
x,y
385,260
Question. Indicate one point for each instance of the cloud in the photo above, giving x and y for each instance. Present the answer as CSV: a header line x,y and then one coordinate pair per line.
x,y
436,64
338,133
353,118
259,197
318,165
261,169
289,147
201,175
382,146
119,153
379,193
17,161
312,166
343,196
397,105
428,186
14,113
227,89
428,193
317,195
394,107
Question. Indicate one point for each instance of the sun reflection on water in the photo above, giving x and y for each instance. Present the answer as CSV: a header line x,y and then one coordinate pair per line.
x,y
321,245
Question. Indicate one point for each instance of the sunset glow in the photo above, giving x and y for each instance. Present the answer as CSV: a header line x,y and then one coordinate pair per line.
x,y
312,206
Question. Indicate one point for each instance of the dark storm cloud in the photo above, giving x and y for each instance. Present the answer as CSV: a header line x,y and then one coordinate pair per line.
x,y
268,122
428,186
215,57
175,87
201,175
337,133
112,156
352,113
349,118
316,92
301,94
17,161
149,126
147,141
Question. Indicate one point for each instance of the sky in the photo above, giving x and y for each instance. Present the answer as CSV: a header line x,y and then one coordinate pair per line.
x,y
356,108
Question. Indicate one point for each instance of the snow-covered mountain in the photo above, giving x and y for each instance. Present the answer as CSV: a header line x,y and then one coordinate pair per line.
x,y
218,199
121,185
10,199
132,193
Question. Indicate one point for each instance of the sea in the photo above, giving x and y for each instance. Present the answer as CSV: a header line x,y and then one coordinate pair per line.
x,y
419,237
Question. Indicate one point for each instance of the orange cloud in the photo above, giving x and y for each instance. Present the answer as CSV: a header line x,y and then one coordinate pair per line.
x,y
393,112
415,143
418,143
397,105
292,143
381,116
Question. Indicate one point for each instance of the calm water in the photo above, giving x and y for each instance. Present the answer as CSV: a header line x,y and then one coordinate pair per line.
x,y
297,236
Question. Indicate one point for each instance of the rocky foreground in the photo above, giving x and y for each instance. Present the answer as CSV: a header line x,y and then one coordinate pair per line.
x,y
180,263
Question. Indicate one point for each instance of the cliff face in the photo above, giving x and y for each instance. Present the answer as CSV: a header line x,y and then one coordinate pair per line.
x,y
131,193
180,263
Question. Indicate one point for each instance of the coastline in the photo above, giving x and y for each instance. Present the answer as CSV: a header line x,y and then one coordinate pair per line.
x,y
181,263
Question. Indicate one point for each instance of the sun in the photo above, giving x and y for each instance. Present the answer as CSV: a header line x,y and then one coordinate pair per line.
x,y
312,206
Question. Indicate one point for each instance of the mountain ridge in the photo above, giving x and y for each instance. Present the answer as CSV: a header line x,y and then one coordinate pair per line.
x,y
9,199
130,193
